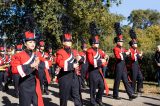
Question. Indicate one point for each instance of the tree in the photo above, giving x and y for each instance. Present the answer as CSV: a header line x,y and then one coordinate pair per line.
x,y
46,18
81,14
144,18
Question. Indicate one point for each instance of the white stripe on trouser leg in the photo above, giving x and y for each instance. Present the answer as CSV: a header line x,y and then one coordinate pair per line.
x,y
20,71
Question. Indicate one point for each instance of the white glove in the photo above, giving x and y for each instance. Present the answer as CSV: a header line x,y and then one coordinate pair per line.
x,y
78,57
103,60
75,65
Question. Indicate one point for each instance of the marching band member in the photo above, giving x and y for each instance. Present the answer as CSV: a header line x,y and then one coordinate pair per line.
x,y
67,59
2,63
43,68
135,55
15,74
96,77
7,73
95,57
84,65
51,61
120,69
27,63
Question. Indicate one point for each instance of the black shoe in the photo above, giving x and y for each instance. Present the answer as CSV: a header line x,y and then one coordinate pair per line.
x,y
132,97
1,88
100,104
117,97
6,88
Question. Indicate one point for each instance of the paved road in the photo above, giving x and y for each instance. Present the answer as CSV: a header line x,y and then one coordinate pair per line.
x,y
8,99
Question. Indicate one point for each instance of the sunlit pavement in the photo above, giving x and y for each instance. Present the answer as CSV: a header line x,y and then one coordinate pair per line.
x,y
8,99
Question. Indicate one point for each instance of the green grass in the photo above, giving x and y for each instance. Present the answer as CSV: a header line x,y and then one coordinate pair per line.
x,y
148,87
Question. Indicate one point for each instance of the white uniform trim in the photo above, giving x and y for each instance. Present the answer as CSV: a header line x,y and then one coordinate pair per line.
x,y
85,58
121,56
96,57
135,55
27,62
46,64
66,63
20,71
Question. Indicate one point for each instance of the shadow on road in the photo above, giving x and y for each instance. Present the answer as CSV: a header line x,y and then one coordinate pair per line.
x,y
150,104
11,92
111,97
150,98
47,102
86,102
85,90
56,94
7,102
111,89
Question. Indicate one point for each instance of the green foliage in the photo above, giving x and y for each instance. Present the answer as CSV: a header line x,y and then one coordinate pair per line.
x,y
46,15
149,38
81,14
148,66
144,18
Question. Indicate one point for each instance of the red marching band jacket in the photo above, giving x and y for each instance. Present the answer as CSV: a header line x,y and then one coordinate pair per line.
x,y
2,60
7,61
118,53
42,54
83,54
50,59
94,60
65,60
23,58
134,54
14,69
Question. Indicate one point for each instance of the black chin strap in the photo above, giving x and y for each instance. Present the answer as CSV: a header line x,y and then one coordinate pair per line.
x,y
67,49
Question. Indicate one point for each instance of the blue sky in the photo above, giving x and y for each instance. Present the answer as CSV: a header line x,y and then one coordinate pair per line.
x,y
128,5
